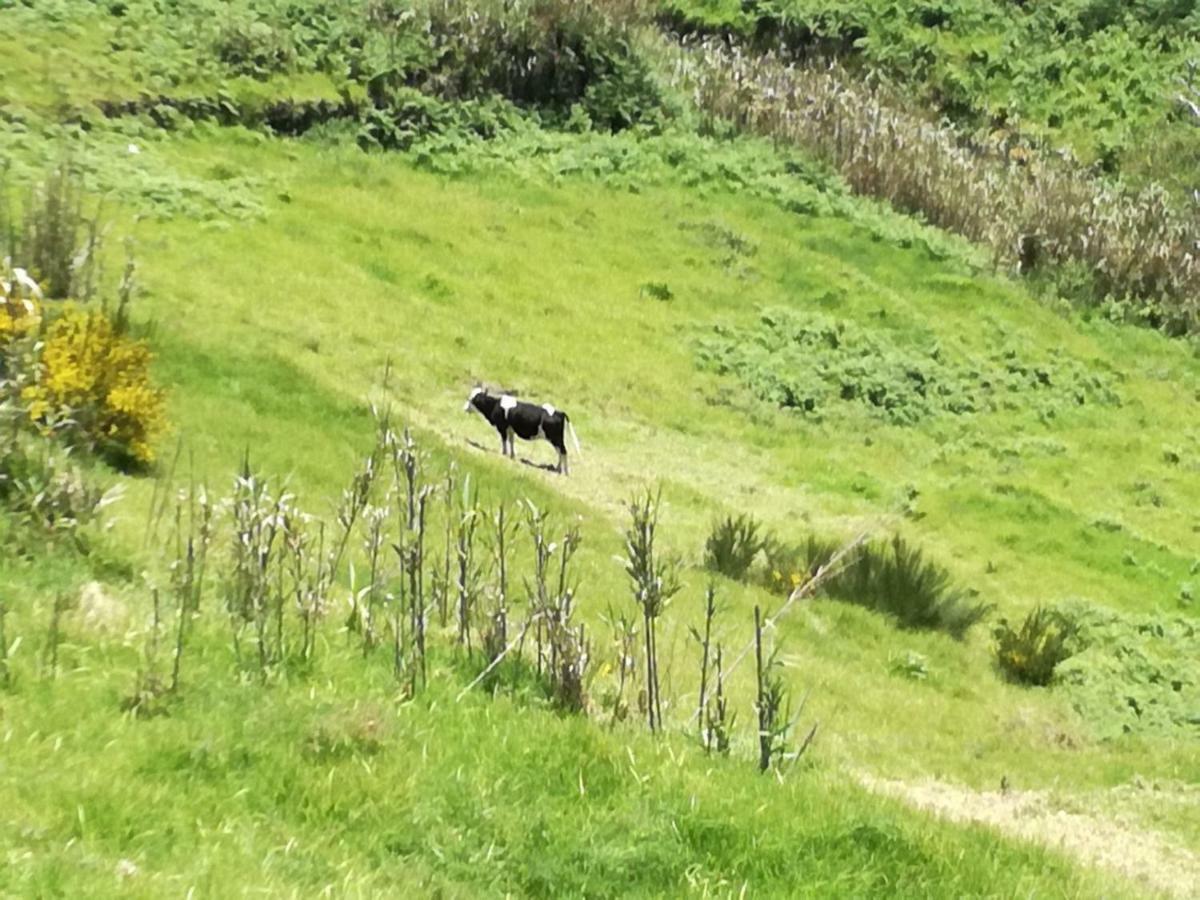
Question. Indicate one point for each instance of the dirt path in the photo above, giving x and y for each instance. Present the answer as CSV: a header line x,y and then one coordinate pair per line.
x,y
1145,857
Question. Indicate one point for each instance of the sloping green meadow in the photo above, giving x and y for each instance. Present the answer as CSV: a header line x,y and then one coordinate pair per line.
x,y
282,278
273,334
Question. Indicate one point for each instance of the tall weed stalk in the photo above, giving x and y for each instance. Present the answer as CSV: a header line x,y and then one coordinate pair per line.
x,y
654,580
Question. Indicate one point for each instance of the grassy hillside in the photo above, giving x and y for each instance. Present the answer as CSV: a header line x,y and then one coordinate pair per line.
x,y
598,272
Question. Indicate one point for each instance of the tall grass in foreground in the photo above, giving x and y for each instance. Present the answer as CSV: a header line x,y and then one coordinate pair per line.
x,y
1133,247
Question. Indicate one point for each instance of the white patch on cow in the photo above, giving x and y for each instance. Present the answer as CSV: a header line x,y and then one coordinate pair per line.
x,y
548,408
507,402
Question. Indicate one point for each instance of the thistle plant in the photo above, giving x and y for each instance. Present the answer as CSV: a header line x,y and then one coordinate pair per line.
x,y
495,635
717,718
773,706
654,580
467,571
624,628
54,636
368,598
705,642
569,652
251,597
191,543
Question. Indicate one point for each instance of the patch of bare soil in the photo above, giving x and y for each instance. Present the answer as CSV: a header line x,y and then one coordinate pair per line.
x,y
1145,857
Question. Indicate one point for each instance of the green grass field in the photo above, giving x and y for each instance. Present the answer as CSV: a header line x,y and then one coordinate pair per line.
x,y
281,277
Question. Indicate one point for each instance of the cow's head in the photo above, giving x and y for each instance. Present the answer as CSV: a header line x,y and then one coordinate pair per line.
x,y
477,391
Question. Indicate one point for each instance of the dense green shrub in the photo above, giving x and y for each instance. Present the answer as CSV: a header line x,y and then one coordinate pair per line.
x,y
1029,654
790,565
1133,674
733,544
896,578
45,490
547,54
890,576
811,363
249,46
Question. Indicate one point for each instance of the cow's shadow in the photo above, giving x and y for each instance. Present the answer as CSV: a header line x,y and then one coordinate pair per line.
x,y
545,467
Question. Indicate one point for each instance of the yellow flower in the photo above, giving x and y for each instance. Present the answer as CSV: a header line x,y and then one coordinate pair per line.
x,y
89,368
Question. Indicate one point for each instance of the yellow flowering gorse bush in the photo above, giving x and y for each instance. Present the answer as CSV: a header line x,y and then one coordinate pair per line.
x,y
100,379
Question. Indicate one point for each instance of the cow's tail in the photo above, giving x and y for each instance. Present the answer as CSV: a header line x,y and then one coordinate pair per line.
x,y
574,437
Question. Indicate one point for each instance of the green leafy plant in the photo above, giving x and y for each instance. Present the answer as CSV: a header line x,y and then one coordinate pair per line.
x,y
812,364
1030,653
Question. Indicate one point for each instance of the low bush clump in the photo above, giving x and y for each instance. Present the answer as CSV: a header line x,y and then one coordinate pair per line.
x,y
895,577
94,387
810,363
44,490
1030,654
732,546
891,576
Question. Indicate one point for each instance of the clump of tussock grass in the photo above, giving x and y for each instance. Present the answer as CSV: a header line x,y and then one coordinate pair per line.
x,y
1131,246
895,577
733,544
891,576
1029,653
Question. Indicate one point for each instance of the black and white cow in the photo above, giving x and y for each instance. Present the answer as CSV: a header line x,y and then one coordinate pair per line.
x,y
528,421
